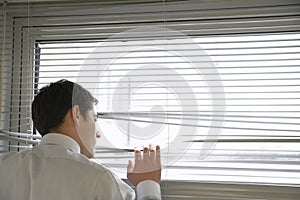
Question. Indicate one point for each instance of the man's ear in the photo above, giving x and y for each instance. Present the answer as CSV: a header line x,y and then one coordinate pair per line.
x,y
75,114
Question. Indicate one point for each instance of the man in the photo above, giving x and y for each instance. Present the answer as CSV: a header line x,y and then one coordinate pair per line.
x,y
58,168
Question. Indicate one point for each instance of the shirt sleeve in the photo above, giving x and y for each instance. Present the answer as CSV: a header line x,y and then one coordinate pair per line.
x,y
148,190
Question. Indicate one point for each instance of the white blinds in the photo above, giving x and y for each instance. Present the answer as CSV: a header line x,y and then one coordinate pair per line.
x,y
260,124
216,83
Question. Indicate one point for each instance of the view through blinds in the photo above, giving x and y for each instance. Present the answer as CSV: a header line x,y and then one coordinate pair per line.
x,y
216,84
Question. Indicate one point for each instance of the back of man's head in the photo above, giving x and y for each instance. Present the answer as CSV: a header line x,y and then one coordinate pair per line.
x,y
52,103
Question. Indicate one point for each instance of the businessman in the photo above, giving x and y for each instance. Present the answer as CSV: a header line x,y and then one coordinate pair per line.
x,y
59,167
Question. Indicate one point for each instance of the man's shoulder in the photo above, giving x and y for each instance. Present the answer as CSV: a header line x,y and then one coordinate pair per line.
x,y
66,159
69,158
89,163
13,154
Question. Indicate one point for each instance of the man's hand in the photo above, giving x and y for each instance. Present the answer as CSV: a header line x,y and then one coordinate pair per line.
x,y
146,166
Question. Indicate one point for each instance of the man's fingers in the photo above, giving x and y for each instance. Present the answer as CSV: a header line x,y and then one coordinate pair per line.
x,y
130,167
152,153
146,154
158,161
137,155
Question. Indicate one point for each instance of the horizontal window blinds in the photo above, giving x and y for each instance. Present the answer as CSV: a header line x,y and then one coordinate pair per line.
x,y
215,83
259,129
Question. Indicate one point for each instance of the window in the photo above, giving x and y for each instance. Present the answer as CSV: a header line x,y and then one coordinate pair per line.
x,y
259,125
215,82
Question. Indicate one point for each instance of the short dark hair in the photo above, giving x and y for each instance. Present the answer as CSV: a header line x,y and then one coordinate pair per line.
x,y
53,101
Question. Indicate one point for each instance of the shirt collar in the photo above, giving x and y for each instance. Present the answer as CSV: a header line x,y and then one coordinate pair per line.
x,y
63,140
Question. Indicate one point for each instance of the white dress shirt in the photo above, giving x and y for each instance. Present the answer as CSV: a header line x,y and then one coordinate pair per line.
x,y
55,169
